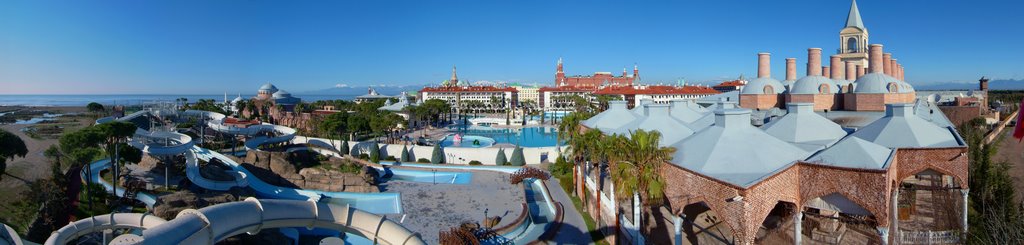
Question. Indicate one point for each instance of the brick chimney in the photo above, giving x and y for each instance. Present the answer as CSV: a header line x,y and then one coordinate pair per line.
x,y
887,64
860,71
837,67
814,62
875,64
983,84
851,71
790,69
826,71
764,65
892,67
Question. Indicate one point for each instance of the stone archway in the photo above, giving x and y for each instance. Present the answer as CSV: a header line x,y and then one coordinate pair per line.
x,y
929,200
836,218
703,225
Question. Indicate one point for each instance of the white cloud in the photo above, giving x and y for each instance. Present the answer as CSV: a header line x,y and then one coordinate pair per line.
x,y
341,85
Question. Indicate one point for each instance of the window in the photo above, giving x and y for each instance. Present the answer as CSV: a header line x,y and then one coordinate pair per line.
x,y
824,89
894,88
851,45
768,89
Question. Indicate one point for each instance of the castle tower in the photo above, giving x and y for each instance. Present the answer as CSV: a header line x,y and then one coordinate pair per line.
x,y
559,74
454,81
853,39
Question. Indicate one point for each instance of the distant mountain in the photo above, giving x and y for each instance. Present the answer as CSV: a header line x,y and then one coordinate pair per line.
x,y
347,90
1002,84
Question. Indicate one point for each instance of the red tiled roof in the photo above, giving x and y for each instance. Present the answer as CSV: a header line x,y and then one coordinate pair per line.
x,y
733,83
468,89
567,89
656,89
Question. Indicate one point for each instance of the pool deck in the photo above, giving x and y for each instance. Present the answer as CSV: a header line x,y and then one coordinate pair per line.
x,y
430,207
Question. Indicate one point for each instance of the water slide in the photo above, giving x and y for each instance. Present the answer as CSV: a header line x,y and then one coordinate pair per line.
x,y
101,223
380,203
103,164
8,236
218,222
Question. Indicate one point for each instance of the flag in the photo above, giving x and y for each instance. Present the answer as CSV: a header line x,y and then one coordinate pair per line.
x,y
1018,129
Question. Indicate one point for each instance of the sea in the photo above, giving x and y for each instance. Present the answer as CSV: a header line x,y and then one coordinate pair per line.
x,y
133,99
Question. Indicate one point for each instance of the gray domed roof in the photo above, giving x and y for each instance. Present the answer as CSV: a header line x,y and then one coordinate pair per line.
x,y
280,94
268,87
810,84
236,100
757,86
876,83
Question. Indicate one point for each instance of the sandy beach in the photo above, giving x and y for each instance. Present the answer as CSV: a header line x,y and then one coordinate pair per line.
x,y
34,166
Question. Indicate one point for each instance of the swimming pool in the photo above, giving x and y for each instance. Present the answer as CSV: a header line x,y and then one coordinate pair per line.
x,y
473,141
525,137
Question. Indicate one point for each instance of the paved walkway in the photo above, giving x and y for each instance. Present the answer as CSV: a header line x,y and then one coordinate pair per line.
x,y
573,230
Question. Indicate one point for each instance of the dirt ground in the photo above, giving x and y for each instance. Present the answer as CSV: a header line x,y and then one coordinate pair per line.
x,y
1011,151
34,165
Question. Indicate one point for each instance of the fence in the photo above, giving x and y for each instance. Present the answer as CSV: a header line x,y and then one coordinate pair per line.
x,y
929,237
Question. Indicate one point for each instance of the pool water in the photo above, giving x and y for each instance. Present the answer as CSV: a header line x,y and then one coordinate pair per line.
x,y
467,141
525,137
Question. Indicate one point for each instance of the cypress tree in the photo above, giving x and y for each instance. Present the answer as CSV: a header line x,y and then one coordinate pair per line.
x,y
501,159
405,155
344,148
517,157
375,152
437,157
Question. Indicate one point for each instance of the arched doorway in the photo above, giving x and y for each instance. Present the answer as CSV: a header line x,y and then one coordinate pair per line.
x,y
701,225
837,219
929,201
777,227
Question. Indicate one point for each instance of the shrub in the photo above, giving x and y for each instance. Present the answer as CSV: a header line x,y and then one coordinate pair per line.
x,y
344,148
390,159
405,154
517,157
375,152
501,159
423,160
438,155
364,156
475,162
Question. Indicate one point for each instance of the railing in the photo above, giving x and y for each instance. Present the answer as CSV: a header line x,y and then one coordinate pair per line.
x,y
929,237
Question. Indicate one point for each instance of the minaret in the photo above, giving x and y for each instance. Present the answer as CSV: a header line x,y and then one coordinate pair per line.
x,y
636,70
454,81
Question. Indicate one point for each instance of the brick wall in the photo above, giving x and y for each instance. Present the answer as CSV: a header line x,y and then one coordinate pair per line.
x,y
959,115
760,101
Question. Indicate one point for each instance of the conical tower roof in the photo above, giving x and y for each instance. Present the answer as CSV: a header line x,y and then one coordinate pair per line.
x,y
853,19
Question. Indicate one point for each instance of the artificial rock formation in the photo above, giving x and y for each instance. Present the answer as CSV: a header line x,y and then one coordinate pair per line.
x,y
276,169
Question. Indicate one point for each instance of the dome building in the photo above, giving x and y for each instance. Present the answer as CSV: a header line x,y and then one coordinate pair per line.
x,y
877,88
763,92
266,91
814,88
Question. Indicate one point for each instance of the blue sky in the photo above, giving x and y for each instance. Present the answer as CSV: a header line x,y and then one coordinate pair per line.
x,y
105,47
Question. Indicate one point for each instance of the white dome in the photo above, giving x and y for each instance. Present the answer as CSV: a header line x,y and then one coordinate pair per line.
x,y
757,86
810,85
268,87
878,83
282,94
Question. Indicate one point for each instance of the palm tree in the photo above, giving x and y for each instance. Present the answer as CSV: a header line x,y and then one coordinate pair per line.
x,y
636,166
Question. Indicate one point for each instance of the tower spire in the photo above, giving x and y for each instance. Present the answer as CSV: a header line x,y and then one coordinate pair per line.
x,y
455,79
853,19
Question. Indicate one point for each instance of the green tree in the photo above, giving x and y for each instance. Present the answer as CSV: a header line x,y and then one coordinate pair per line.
x,y
405,155
437,157
501,159
344,148
517,157
10,146
375,152
636,166
94,107
333,126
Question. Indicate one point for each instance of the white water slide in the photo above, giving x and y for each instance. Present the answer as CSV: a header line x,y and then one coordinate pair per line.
x,y
215,223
